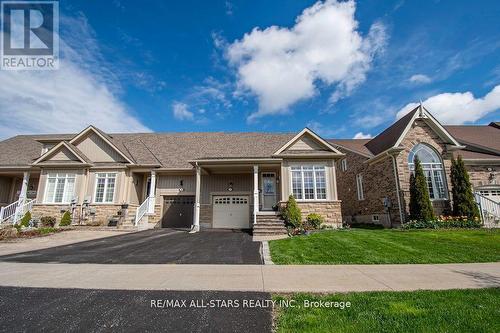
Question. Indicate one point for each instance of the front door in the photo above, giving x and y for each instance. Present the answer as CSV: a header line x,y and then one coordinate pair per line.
x,y
268,190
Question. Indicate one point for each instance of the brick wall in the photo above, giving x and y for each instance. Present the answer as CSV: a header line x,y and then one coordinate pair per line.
x,y
422,133
483,175
379,183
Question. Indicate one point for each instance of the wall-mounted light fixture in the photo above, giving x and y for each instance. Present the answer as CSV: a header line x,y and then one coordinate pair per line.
x,y
230,188
277,179
181,185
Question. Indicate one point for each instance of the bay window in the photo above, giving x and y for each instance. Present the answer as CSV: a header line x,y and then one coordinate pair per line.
x,y
308,182
60,188
105,187
433,169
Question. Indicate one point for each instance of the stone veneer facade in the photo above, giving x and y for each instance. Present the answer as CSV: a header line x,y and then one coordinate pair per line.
x,y
103,213
329,210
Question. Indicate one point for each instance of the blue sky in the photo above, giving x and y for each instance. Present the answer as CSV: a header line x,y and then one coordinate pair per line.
x,y
342,69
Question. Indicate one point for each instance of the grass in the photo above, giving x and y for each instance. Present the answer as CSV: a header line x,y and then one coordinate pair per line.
x,y
419,311
359,246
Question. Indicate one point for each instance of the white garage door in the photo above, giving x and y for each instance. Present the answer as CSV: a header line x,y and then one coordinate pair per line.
x,y
231,212
492,194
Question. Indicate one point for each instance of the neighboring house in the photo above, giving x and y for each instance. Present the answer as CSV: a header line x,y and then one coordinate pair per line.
x,y
212,180
373,179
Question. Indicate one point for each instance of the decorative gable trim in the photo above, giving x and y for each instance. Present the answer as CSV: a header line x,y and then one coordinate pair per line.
x,y
57,148
103,137
307,131
425,115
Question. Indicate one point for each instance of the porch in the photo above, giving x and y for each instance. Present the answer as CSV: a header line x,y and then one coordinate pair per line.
x,y
18,193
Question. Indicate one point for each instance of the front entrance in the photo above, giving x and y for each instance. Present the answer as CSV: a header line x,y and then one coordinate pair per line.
x,y
268,190
178,212
231,212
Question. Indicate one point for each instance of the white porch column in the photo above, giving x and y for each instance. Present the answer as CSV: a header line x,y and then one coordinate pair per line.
x,y
22,196
255,192
196,220
152,193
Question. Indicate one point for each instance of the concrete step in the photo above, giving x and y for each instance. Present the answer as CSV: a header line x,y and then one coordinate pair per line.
x,y
269,232
267,225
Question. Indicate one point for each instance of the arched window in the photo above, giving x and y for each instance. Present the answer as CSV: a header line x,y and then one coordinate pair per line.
x,y
433,169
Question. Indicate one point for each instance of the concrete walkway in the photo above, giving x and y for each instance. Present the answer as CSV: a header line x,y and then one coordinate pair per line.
x,y
338,278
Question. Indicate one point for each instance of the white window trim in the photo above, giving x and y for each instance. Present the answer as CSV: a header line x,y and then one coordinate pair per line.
x,y
375,218
360,188
431,167
105,188
66,176
322,165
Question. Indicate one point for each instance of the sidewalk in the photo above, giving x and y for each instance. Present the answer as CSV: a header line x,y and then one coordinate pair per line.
x,y
272,278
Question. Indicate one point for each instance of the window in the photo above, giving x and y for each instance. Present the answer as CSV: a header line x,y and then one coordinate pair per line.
x,y
359,186
308,182
105,187
60,188
375,218
343,164
433,169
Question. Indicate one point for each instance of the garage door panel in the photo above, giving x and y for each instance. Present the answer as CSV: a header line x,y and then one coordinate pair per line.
x,y
231,212
178,211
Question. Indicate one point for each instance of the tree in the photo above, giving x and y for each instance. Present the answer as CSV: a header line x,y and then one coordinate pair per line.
x,y
65,219
420,202
463,198
291,213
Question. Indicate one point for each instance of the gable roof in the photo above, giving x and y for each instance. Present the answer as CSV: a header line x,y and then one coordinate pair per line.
x,y
354,145
61,145
391,135
306,131
103,136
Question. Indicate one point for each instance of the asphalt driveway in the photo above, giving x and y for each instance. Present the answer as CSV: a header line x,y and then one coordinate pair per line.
x,y
159,246
78,310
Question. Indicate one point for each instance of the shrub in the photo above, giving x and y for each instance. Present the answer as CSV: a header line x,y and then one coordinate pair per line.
x,y
314,221
25,221
65,219
291,213
420,202
48,221
463,199
444,222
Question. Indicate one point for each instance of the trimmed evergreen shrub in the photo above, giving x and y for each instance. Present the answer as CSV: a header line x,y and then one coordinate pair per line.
x,y
463,198
314,221
420,202
65,219
291,213
25,221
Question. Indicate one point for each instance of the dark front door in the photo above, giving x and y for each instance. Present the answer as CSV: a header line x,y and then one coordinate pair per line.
x,y
178,212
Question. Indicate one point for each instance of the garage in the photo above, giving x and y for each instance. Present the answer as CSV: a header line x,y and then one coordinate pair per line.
x,y
231,212
177,211
491,193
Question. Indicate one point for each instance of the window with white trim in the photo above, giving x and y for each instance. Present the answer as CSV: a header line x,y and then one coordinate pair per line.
x,y
375,218
60,188
433,169
105,187
309,182
359,187
343,164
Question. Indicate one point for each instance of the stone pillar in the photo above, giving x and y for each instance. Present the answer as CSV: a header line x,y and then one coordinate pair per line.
x,y
255,192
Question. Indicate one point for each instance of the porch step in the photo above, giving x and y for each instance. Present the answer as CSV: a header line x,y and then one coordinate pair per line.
x,y
269,225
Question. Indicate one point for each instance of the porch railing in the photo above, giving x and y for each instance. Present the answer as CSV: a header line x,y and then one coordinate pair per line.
x,y
489,209
8,211
142,210
16,210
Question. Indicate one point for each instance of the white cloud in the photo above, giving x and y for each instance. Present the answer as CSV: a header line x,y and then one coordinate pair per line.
x,y
371,120
181,112
361,135
324,131
281,66
80,93
458,108
419,79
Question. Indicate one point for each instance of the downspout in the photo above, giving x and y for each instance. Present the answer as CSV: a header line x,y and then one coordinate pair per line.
x,y
396,178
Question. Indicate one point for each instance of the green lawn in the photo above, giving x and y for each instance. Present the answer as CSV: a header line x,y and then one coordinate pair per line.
x,y
420,311
359,246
